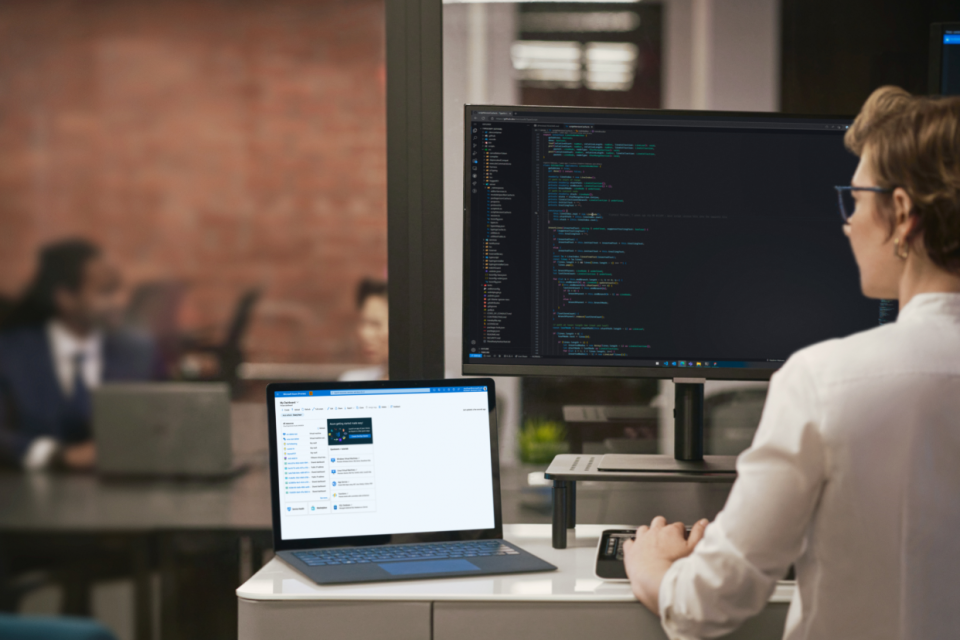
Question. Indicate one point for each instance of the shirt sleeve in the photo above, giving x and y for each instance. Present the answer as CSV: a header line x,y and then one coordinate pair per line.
x,y
13,445
761,530
40,453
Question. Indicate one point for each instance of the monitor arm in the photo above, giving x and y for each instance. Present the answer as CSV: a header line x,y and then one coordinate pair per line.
x,y
688,419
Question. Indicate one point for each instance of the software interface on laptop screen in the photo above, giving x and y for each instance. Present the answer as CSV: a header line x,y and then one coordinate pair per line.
x,y
383,461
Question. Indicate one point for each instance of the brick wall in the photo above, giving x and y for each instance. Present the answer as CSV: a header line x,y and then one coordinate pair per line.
x,y
229,144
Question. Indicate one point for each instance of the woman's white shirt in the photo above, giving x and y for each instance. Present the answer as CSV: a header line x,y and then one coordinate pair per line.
x,y
854,477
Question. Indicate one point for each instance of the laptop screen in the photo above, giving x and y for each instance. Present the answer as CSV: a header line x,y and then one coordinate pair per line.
x,y
365,462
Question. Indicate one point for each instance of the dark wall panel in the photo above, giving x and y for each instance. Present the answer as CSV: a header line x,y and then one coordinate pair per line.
x,y
836,53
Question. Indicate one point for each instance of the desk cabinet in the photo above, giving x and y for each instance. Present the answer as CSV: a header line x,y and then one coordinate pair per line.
x,y
469,621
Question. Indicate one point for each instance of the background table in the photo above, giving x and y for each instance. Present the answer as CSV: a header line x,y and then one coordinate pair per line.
x,y
192,533
201,537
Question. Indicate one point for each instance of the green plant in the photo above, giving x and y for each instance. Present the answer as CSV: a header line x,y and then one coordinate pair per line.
x,y
541,439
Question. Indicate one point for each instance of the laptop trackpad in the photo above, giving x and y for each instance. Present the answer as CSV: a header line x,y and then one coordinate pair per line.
x,y
428,566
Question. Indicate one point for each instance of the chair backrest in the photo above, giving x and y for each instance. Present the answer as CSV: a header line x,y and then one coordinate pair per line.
x,y
6,304
241,319
154,306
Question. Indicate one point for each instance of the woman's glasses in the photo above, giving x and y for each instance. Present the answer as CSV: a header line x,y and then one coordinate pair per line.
x,y
847,202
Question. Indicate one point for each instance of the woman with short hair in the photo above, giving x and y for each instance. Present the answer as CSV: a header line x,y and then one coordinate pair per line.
x,y
854,473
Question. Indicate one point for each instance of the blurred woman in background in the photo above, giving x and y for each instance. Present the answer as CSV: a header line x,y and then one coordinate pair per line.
x,y
373,331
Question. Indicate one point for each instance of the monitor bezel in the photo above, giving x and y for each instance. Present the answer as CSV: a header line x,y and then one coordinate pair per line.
x,y
280,544
934,78
599,371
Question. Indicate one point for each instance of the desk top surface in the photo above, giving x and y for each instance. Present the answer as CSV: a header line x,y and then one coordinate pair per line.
x,y
573,581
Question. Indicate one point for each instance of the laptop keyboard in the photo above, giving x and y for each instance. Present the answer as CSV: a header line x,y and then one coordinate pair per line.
x,y
436,550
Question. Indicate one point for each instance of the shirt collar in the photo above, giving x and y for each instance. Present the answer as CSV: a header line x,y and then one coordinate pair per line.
x,y
925,305
65,344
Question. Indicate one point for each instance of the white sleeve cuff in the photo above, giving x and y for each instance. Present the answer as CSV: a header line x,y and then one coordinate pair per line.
x,y
40,453
666,598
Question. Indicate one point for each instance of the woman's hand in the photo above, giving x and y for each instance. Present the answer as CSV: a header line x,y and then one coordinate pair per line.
x,y
656,547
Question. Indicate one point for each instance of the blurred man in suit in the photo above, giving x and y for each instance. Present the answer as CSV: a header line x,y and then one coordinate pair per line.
x,y
55,346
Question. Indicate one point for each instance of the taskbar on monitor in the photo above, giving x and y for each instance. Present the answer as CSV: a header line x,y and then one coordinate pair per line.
x,y
672,363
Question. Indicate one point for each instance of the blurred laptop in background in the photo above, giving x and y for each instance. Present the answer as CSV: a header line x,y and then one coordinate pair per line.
x,y
163,429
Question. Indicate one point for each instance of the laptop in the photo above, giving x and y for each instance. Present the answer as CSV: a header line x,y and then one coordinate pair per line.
x,y
381,481
164,429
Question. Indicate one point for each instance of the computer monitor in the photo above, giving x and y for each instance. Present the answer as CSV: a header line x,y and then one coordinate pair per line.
x,y
649,243
945,58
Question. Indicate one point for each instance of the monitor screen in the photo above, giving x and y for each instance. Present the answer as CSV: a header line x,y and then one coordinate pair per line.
x,y
950,62
649,243
370,462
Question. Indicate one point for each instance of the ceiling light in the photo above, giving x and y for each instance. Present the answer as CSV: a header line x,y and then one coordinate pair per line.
x,y
579,22
610,66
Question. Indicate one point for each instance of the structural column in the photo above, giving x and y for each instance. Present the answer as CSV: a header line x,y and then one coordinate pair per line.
x,y
415,187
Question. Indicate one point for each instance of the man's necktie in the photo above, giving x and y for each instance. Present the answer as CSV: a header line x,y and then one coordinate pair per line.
x,y
81,393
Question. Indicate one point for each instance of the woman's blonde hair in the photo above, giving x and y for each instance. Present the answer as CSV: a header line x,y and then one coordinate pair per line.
x,y
914,143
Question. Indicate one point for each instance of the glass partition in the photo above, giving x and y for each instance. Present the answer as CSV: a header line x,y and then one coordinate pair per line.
x,y
190,190
229,160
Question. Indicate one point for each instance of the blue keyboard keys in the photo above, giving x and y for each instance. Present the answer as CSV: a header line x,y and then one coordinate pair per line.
x,y
363,555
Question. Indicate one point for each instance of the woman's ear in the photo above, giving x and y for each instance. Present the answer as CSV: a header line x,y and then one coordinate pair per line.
x,y
904,223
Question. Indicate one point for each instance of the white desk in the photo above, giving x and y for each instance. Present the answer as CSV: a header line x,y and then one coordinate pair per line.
x,y
279,603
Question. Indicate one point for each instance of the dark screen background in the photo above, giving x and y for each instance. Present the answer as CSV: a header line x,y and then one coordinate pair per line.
x,y
950,70
658,243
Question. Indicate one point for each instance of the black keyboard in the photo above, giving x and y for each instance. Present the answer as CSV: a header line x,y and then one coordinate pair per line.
x,y
432,551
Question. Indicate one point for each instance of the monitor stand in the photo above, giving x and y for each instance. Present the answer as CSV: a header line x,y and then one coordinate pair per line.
x,y
688,441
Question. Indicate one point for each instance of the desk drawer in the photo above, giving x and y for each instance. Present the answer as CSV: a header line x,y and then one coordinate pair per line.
x,y
574,621
333,620
543,621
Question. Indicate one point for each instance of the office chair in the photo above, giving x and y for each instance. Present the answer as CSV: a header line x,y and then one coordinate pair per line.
x,y
229,353
6,304
14,627
153,310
